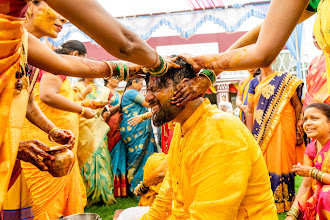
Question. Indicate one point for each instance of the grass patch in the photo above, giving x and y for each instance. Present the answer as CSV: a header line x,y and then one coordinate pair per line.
x,y
106,212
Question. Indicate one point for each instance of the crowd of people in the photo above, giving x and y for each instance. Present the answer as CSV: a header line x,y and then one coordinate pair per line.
x,y
213,165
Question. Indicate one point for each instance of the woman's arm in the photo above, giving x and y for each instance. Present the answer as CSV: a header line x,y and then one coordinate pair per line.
x,y
139,118
44,58
304,187
50,86
251,36
114,109
37,117
249,116
296,103
281,19
90,17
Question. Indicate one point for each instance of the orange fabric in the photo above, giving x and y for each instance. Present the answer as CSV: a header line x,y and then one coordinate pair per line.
x,y
53,197
316,80
11,36
153,162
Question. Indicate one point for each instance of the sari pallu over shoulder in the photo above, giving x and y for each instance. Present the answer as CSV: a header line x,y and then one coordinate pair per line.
x,y
315,203
272,95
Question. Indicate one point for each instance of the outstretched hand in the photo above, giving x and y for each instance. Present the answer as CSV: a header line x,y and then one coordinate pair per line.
x,y
63,136
29,151
135,120
190,89
301,170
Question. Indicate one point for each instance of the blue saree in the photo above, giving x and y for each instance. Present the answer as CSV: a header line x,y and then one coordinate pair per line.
x,y
138,140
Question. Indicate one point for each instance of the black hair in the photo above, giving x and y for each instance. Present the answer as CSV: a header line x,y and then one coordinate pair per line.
x,y
36,2
174,74
71,46
128,84
324,108
256,72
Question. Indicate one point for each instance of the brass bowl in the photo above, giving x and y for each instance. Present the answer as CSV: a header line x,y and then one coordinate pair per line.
x,y
82,216
63,163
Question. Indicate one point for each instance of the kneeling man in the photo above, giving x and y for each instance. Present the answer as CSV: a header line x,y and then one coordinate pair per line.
x,y
215,167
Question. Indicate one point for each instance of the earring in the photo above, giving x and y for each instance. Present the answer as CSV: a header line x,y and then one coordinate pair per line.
x,y
29,13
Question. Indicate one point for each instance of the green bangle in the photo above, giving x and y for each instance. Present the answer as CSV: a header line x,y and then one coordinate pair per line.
x,y
125,71
162,69
117,70
209,74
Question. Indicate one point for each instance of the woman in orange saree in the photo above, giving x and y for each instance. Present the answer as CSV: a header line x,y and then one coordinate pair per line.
x,y
313,197
276,107
316,80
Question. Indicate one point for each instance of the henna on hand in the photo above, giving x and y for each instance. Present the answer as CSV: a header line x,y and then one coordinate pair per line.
x,y
301,170
190,89
63,136
29,151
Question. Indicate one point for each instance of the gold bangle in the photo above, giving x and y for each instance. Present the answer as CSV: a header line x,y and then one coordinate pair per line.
x,y
81,97
153,66
310,172
293,212
110,68
82,111
322,177
50,133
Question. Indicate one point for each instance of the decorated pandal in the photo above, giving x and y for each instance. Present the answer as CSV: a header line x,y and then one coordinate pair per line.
x,y
85,144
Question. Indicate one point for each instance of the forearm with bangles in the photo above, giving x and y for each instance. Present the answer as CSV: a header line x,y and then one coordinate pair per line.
x,y
146,116
37,117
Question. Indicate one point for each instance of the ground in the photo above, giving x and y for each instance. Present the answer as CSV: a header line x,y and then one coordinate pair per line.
x,y
106,212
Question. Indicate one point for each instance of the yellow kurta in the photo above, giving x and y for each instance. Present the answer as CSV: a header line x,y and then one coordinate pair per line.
x,y
53,197
216,171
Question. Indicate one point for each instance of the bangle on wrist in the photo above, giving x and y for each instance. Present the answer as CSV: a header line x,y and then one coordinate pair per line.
x,y
161,69
81,97
50,133
209,74
110,69
82,111
155,63
293,212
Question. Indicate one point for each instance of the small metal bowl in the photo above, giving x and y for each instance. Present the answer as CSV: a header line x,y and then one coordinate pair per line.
x,y
82,216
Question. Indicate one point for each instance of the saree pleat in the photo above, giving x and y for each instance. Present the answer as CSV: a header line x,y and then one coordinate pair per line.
x,y
53,197
11,113
275,131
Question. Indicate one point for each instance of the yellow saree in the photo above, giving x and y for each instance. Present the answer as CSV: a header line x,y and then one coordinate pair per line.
x,y
13,103
53,197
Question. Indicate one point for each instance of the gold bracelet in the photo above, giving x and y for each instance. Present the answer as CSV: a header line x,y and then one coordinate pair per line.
x,y
82,111
50,133
144,116
110,68
155,63
310,172
322,177
293,212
